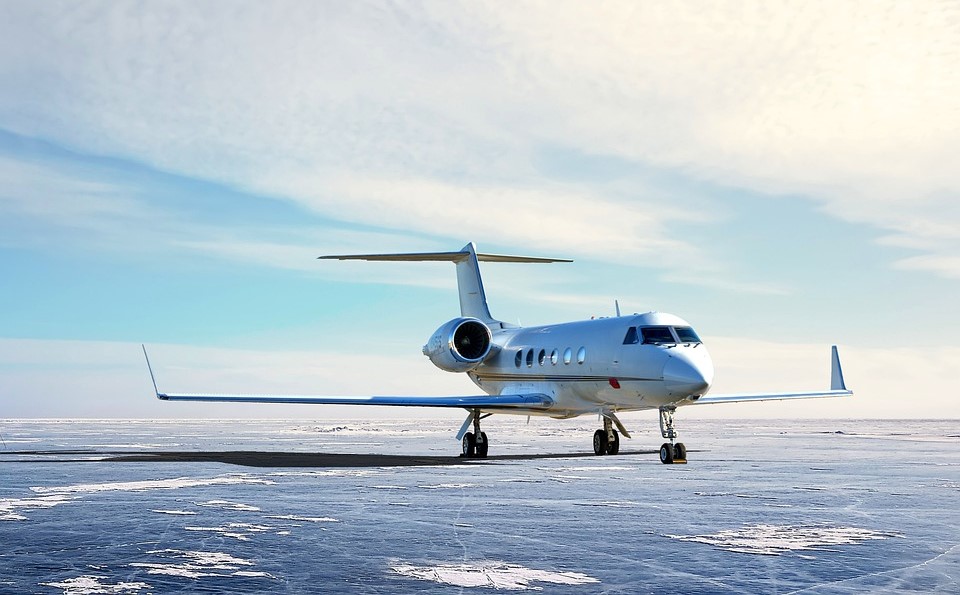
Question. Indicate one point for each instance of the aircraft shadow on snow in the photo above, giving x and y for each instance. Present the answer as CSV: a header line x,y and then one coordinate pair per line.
x,y
249,458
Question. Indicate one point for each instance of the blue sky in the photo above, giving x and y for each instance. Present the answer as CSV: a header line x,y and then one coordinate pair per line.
x,y
783,176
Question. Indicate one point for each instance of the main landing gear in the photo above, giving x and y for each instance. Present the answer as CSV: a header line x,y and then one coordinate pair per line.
x,y
475,443
670,453
607,440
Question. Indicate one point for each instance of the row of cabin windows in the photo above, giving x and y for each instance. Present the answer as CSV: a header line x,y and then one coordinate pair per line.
x,y
553,357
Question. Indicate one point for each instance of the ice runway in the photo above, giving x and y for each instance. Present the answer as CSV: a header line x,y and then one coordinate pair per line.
x,y
384,507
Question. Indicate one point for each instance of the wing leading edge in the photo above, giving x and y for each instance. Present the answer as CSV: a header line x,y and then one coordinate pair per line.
x,y
532,401
838,388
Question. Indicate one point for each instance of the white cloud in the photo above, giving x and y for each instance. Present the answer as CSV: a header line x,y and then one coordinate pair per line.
x,y
394,115
70,200
87,208
945,266
554,219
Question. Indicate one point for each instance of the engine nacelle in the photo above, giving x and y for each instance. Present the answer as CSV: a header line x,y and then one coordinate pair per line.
x,y
459,345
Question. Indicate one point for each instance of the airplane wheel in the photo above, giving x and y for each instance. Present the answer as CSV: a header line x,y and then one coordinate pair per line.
x,y
680,451
666,453
482,445
599,442
614,447
469,445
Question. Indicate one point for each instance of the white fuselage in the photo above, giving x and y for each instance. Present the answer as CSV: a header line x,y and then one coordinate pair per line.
x,y
598,365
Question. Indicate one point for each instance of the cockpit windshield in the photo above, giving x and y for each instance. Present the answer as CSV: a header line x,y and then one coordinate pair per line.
x,y
659,335
686,334
656,335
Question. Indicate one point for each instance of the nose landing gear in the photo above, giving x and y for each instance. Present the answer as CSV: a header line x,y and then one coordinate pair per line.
x,y
670,452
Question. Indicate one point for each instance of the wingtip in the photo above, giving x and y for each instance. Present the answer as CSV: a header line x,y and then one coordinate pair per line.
x,y
836,370
153,379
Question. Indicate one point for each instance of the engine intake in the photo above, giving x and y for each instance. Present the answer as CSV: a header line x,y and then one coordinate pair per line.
x,y
459,345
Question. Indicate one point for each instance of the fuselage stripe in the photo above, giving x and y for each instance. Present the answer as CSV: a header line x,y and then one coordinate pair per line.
x,y
559,378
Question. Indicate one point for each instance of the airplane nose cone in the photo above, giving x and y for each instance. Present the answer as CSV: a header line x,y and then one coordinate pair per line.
x,y
686,376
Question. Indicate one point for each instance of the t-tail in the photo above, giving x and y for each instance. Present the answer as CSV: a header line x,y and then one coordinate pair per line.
x,y
473,300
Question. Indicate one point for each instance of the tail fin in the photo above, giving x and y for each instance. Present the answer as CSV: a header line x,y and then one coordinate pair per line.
x,y
473,301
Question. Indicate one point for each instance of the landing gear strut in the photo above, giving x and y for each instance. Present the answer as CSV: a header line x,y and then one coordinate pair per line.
x,y
607,440
670,452
475,443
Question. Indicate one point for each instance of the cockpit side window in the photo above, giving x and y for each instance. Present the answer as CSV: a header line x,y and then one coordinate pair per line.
x,y
655,335
687,334
632,338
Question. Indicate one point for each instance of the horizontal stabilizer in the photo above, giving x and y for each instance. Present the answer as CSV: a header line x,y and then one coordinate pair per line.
x,y
443,257
473,301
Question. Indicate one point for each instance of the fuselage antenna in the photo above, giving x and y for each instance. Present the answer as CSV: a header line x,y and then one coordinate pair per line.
x,y
616,304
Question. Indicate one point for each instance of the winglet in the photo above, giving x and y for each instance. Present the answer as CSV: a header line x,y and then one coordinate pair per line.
x,y
152,378
836,372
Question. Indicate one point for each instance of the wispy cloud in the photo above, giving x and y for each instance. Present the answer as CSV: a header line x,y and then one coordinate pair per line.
x,y
91,209
426,116
946,266
556,219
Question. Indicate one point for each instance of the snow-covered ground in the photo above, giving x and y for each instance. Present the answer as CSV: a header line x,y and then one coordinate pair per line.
x,y
762,506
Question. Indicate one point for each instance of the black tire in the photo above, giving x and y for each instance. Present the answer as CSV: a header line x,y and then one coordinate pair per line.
x,y
666,453
614,447
482,445
680,451
599,442
469,445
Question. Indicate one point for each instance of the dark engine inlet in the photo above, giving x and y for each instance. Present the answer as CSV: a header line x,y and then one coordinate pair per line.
x,y
471,340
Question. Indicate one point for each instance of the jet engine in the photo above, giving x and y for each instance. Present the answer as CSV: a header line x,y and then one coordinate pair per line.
x,y
459,345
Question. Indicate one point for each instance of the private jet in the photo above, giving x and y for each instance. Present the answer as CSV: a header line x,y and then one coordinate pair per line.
x,y
600,366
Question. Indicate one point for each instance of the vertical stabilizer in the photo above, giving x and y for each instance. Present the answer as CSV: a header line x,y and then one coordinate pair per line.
x,y
473,301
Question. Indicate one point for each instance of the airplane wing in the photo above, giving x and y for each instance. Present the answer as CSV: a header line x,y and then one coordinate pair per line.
x,y
838,388
530,401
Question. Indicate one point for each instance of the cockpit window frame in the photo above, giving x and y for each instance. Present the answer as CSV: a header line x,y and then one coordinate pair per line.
x,y
632,337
